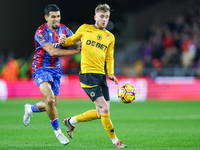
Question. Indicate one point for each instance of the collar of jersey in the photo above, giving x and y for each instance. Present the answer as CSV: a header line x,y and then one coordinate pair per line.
x,y
98,28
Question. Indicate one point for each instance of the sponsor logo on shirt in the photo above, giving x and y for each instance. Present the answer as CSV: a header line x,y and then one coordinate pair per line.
x,y
56,45
96,44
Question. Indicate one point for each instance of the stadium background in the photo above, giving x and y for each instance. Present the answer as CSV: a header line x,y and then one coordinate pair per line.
x,y
157,72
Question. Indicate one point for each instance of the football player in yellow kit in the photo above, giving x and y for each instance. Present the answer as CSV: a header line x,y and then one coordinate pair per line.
x,y
97,48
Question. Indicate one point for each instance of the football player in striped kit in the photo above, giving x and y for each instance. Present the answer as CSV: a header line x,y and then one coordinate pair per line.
x,y
46,67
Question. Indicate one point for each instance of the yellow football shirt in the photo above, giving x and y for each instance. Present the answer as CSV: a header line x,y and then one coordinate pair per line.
x,y
97,48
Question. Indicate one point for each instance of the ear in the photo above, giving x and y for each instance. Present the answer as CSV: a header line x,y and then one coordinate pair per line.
x,y
95,17
46,18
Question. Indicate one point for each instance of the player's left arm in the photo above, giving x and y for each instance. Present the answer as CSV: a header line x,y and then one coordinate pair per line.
x,y
110,61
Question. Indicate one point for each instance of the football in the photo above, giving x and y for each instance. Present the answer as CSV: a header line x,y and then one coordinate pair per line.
x,y
127,93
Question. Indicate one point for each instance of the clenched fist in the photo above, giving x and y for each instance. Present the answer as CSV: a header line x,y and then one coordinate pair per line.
x,y
62,39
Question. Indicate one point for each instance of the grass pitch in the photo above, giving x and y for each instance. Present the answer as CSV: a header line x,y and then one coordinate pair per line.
x,y
149,125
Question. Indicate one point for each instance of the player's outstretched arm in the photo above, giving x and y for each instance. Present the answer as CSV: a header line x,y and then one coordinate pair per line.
x,y
60,52
113,78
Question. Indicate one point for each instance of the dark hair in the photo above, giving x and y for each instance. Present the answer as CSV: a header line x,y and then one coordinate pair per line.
x,y
50,7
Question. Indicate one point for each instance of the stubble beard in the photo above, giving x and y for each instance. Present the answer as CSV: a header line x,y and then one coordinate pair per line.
x,y
55,27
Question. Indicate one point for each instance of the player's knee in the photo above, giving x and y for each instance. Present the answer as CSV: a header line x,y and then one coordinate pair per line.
x,y
104,110
50,101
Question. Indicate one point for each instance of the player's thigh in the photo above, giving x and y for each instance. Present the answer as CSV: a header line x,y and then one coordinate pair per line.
x,y
46,90
91,84
52,76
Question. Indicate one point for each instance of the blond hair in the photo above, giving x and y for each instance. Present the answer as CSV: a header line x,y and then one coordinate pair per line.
x,y
102,7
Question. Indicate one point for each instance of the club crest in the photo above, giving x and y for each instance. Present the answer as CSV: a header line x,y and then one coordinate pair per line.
x,y
99,37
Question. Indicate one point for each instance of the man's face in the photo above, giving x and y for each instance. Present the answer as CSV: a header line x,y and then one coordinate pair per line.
x,y
102,19
53,20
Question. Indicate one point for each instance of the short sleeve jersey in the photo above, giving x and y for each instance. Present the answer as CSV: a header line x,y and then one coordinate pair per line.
x,y
44,35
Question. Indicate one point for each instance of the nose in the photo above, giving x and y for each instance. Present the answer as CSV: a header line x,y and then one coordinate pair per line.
x,y
57,18
105,19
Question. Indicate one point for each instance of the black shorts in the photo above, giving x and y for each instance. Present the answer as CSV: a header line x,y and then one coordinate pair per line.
x,y
95,85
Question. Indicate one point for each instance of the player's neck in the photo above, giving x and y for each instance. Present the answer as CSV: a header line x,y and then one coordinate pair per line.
x,y
98,27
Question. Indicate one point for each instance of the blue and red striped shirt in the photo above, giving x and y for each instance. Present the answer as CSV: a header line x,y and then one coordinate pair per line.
x,y
44,35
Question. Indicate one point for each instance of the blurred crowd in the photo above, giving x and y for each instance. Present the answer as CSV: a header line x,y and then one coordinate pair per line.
x,y
13,69
175,43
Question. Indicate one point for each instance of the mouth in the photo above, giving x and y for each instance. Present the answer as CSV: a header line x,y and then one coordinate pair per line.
x,y
56,23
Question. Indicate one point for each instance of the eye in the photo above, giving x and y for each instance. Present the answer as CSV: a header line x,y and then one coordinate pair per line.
x,y
107,17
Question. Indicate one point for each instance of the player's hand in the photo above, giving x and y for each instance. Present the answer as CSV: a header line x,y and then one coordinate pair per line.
x,y
79,47
77,44
113,78
62,39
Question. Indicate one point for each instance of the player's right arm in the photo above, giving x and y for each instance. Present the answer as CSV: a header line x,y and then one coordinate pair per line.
x,y
53,51
72,39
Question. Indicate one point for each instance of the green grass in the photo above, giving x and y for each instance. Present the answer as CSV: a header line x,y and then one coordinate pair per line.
x,y
150,125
